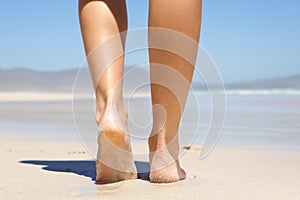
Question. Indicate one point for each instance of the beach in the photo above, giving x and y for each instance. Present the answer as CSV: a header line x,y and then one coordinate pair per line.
x,y
257,156
216,84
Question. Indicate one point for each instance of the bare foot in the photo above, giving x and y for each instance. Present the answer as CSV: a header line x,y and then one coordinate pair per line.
x,y
114,160
164,168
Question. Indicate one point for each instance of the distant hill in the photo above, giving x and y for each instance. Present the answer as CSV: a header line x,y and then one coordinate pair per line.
x,y
290,82
22,79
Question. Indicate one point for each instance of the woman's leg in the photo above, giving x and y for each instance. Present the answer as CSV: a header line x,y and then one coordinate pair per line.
x,y
184,17
99,21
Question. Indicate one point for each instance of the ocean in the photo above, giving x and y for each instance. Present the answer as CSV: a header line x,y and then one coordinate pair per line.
x,y
253,118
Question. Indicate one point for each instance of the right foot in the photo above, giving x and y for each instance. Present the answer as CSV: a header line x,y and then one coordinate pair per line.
x,y
164,168
114,160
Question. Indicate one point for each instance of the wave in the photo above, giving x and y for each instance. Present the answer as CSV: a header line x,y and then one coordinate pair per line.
x,y
52,96
245,92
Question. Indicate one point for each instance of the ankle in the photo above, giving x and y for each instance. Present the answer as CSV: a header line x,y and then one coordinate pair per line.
x,y
111,114
157,141
164,141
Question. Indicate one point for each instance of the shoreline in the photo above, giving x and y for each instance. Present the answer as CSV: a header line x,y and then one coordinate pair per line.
x,y
36,96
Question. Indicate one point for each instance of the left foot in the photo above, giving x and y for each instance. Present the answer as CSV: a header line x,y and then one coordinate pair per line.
x,y
114,160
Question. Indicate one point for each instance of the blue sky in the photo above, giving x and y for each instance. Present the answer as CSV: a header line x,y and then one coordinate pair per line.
x,y
248,40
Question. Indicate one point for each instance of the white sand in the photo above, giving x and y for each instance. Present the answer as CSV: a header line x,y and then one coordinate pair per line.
x,y
228,173
34,168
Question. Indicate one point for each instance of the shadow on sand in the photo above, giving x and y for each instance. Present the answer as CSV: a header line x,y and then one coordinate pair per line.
x,y
83,167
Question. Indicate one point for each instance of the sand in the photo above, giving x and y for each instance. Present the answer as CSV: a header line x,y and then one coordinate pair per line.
x,y
33,169
258,156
